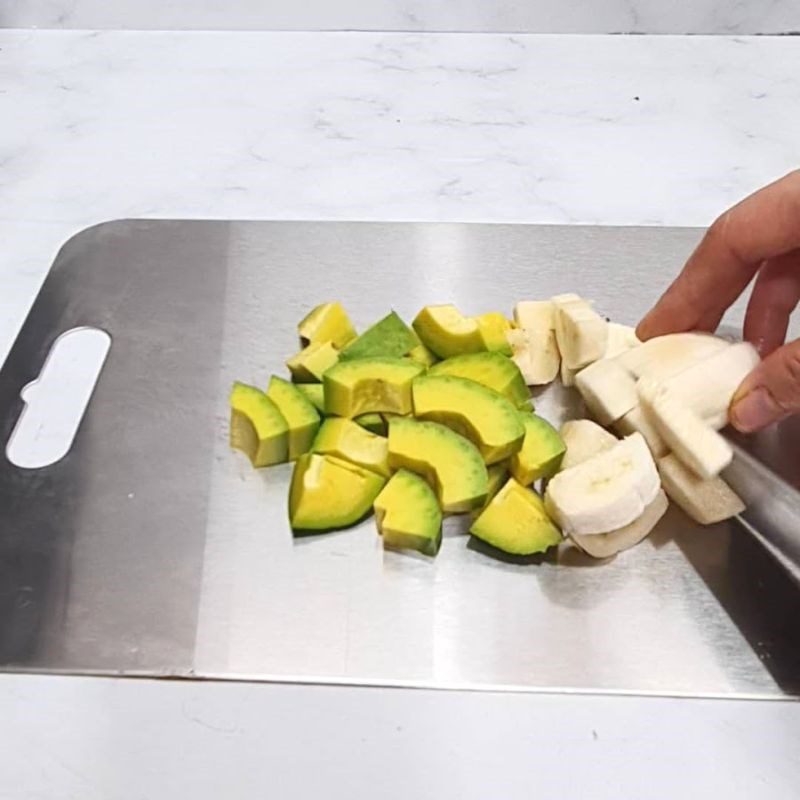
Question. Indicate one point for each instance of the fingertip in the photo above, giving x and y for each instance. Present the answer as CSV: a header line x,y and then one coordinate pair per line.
x,y
644,330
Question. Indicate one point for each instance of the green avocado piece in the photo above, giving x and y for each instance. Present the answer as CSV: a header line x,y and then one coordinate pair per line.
x,y
345,439
408,515
447,332
300,414
257,426
327,322
315,393
484,417
498,475
541,453
353,388
374,423
494,326
516,522
422,355
492,370
328,493
450,463
388,338
311,363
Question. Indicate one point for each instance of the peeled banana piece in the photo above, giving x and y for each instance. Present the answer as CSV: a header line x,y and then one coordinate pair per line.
x,y
605,492
708,386
583,439
605,545
581,333
705,501
621,338
608,390
697,444
665,356
637,420
533,345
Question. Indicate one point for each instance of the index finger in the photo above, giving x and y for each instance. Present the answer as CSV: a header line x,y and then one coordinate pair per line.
x,y
764,225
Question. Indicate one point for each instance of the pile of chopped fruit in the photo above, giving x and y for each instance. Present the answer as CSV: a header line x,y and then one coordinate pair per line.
x,y
417,422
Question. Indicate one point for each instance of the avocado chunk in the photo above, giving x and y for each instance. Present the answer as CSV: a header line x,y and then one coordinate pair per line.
x,y
388,338
327,323
315,394
492,370
498,475
541,453
450,463
408,515
484,417
311,363
328,493
374,423
345,439
257,426
447,332
516,522
299,413
422,355
494,326
365,385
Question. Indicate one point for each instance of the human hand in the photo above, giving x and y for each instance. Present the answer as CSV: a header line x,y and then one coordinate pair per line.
x,y
758,237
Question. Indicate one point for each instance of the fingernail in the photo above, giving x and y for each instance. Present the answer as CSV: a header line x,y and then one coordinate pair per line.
x,y
755,410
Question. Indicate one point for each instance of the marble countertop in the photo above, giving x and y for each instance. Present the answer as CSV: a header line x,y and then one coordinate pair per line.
x,y
610,130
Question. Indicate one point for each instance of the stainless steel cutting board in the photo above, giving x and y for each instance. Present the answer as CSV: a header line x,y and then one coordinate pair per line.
x,y
153,549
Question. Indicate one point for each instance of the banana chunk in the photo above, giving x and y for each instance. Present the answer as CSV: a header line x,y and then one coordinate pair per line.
x,y
705,501
584,439
605,545
637,420
708,386
581,333
535,315
567,375
697,444
608,390
621,338
535,352
605,492
668,355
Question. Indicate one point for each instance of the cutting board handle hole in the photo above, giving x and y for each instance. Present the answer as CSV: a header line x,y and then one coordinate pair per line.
x,y
56,401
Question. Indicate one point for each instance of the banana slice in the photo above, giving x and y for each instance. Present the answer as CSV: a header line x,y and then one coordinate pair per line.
x,y
536,315
637,420
608,390
708,386
567,374
535,352
621,338
581,333
666,356
705,501
606,492
605,545
584,439
697,444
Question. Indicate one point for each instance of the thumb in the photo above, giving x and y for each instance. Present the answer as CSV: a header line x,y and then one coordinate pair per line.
x,y
770,392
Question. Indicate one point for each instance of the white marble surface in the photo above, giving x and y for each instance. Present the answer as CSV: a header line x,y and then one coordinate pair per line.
x,y
618,130
533,16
